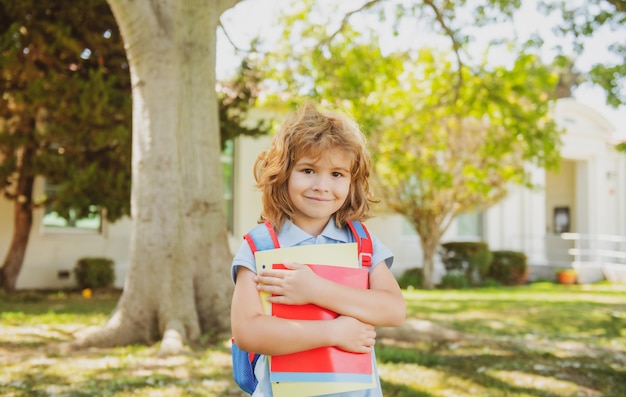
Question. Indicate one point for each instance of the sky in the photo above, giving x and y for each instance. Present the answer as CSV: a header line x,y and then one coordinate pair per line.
x,y
251,18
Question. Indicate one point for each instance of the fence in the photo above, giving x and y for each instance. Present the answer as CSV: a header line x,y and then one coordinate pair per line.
x,y
603,251
595,257
602,248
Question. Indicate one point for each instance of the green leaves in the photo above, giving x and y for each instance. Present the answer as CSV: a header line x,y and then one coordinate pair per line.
x,y
66,90
469,129
446,135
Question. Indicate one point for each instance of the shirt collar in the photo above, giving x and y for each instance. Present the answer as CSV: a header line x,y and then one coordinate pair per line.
x,y
291,235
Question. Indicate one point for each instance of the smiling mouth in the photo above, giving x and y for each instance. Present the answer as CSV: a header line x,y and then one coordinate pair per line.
x,y
320,199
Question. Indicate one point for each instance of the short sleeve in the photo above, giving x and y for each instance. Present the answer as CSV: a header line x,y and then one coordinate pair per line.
x,y
244,257
381,252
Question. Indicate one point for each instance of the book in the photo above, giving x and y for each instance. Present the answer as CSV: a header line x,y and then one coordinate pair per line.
x,y
304,384
324,363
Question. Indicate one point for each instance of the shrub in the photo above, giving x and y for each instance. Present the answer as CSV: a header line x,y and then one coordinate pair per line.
x,y
472,259
413,277
454,281
94,272
21,296
490,283
509,267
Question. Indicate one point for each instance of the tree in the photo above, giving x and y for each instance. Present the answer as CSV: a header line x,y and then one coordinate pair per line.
x,y
64,115
446,137
235,98
462,153
177,285
584,20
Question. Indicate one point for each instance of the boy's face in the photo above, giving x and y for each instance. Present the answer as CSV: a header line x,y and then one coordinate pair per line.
x,y
318,188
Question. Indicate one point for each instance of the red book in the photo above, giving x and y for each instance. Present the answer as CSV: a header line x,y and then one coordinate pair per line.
x,y
329,360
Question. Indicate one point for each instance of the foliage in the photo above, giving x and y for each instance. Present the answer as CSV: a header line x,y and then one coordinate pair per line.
x,y
509,267
65,114
542,339
94,272
411,278
581,20
454,280
237,97
468,259
448,133
490,283
66,102
66,106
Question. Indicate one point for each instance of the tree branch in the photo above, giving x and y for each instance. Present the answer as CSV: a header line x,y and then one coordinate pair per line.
x,y
620,5
224,5
230,40
455,44
346,17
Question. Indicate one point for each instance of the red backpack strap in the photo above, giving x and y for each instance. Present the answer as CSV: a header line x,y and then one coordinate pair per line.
x,y
262,237
364,241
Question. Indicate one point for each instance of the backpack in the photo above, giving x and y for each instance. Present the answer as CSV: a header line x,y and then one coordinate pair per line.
x,y
263,237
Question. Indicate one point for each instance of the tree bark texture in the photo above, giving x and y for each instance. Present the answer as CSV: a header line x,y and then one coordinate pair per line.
x,y
22,223
178,285
430,227
429,250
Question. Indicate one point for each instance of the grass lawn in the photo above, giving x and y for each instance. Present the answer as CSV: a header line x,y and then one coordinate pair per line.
x,y
542,340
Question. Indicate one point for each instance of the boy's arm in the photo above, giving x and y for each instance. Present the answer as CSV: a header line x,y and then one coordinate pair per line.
x,y
257,332
381,305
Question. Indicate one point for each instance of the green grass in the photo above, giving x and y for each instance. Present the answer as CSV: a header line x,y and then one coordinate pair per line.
x,y
542,340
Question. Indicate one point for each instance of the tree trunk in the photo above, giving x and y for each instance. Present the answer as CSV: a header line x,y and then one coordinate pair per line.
x,y
22,224
429,249
430,228
178,282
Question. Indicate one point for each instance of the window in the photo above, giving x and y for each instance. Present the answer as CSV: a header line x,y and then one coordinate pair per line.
x,y
52,220
469,226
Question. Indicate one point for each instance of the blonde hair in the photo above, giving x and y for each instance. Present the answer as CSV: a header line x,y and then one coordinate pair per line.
x,y
309,133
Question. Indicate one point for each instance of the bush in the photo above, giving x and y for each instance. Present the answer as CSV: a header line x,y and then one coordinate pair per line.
x,y
411,278
94,272
490,283
472,259
21,296
454,281
509,267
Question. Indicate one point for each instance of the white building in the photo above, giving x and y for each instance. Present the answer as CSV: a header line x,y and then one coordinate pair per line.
x,y
586,198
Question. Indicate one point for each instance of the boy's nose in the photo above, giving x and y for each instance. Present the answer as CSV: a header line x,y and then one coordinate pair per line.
x,y
321,183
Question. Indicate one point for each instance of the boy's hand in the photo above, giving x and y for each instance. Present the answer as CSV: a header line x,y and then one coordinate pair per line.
x,y
295,286
353,335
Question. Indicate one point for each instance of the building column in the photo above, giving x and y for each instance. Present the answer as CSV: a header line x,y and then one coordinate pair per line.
x,y
534,218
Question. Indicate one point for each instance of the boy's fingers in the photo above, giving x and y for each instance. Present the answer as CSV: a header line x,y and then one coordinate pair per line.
x,y
272,273
293,265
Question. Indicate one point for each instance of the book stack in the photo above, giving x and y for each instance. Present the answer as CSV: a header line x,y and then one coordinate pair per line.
x,y
323,370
